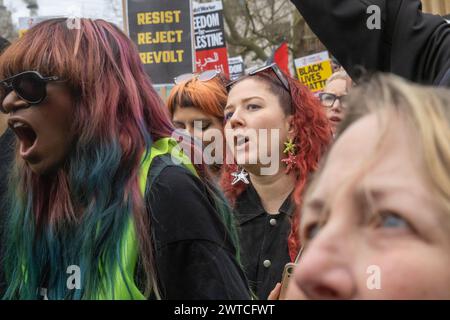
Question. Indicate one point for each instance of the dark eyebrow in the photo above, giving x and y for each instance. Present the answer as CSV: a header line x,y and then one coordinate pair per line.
x,y
228,106
317,210
201,120
250,98
316,205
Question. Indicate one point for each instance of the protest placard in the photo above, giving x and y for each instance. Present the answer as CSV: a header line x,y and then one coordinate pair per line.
x,y
161,30
210,48
236,67
314,70
26,23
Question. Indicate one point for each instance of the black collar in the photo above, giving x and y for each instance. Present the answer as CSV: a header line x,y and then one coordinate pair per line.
x,y
248,206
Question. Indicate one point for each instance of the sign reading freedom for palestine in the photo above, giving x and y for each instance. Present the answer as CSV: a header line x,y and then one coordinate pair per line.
x,y
162,31
211,50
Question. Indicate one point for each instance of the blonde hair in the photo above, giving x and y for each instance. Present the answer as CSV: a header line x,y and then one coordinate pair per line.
x,y
340,75
425,110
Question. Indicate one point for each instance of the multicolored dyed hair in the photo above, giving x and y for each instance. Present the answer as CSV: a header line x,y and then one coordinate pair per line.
x,y
313,135
75,216
209,96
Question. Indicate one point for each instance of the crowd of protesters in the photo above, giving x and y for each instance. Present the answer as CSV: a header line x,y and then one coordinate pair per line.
x,y
98,172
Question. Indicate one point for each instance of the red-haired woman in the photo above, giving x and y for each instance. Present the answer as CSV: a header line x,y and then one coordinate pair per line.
x,y
104,204
196,106
277,132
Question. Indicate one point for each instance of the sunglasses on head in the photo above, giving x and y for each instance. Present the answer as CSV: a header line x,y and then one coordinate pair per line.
x,y
271,67
203,76
30,86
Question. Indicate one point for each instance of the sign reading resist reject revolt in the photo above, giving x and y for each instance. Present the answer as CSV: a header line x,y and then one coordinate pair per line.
x,y
162,31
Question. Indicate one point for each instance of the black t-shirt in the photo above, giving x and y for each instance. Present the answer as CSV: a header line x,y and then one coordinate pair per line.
x,y
195,257
264,241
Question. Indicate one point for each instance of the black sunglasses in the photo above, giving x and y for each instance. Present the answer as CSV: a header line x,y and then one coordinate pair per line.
x,y
203,76
30,86
271,67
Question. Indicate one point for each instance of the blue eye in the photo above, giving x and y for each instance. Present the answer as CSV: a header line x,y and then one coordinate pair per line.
x,y
228,116
392,220
253,107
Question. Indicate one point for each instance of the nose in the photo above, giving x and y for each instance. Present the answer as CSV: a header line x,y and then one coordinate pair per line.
x,y
337,106
236,120
324,272
189,130
12,103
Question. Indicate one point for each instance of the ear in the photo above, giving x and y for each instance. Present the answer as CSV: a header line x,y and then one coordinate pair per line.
x,y
290,127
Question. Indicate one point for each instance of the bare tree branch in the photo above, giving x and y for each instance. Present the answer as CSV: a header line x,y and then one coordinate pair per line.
x,y
256,27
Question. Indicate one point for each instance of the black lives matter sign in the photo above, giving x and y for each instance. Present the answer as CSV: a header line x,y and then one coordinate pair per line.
x,y
161,30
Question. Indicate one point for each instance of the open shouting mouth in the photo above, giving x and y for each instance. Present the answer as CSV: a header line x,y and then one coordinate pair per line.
x,y
240,140
26,135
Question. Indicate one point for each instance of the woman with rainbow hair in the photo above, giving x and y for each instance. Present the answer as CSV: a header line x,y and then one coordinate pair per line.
x,y
98,185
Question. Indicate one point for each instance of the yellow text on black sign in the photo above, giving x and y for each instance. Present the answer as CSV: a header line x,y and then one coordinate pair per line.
x,y
171,36
168,56
158,17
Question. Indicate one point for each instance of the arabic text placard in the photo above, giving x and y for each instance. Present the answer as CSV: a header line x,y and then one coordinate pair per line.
x,y
210,48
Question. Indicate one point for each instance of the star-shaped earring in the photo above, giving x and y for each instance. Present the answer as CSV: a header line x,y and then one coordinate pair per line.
x,y
290,147
290,163
240,176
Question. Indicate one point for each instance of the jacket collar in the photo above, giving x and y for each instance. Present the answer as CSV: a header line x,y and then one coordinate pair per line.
x,y
248,206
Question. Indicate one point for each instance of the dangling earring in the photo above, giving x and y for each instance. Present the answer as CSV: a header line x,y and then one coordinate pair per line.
x,y
290,151
240,176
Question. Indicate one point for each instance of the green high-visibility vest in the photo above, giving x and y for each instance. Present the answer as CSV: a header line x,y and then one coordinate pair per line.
x,y
124,286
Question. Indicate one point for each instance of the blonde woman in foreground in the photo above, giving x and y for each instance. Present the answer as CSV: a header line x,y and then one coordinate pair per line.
x,y
376,219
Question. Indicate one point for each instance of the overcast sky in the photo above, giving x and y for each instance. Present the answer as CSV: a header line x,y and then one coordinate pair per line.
x,y
87,8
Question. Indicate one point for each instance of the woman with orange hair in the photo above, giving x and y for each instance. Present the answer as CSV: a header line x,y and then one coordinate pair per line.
x,y
196,106
270,114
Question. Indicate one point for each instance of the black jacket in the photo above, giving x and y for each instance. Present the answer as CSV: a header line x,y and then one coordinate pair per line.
x,y
410,43
195,254
264,241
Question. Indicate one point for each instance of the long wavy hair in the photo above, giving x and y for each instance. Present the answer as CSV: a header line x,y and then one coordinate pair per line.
x,y
74,216
312,138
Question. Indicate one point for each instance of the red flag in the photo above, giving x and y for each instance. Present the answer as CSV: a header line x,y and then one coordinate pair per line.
x,y
281,57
